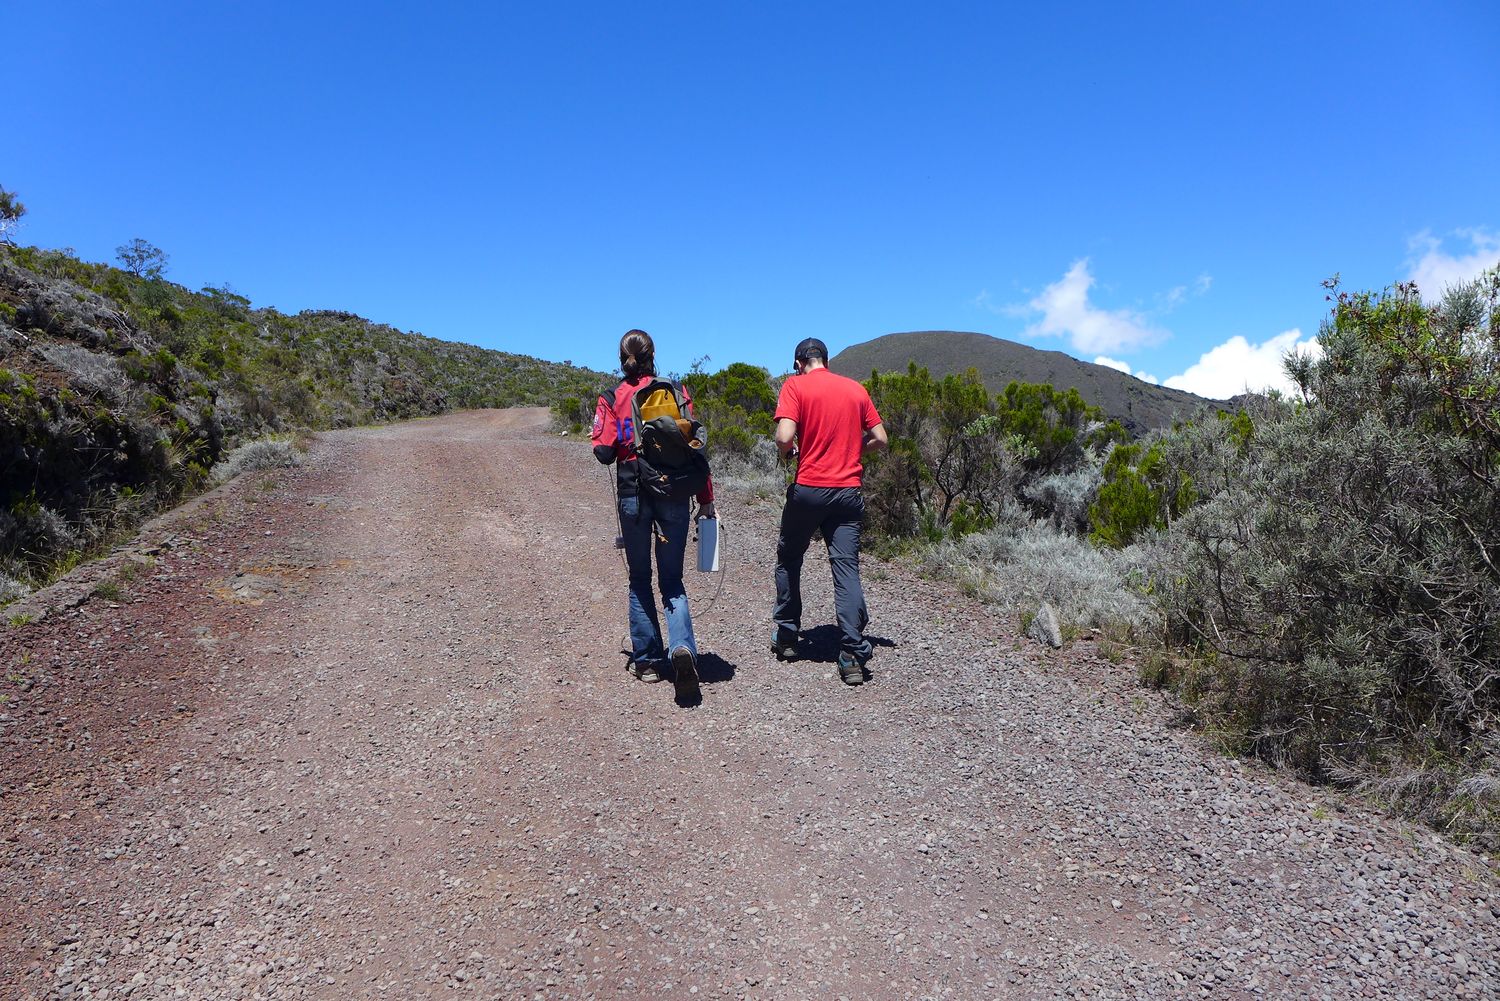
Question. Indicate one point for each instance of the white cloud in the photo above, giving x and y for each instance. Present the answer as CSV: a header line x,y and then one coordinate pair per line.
x,y
1237,366
1435,270
987,302
1067,312
1124,366
1175,297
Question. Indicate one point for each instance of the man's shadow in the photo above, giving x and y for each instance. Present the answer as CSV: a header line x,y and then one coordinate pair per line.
x,y
820,644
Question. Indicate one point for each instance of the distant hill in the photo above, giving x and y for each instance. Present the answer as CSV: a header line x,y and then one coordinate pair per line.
x,y
1138,405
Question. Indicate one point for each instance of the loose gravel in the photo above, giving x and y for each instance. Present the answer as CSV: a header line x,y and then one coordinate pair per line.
x,y
362,729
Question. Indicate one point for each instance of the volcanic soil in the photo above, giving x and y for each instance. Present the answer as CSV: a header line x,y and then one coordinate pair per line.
x,y
362,730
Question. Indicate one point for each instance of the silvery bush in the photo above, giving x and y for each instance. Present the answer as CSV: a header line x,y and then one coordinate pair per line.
x,y
1019,563
1342,570
266,453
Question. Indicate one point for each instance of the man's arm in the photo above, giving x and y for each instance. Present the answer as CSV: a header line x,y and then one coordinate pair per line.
x,y
786,436
875,440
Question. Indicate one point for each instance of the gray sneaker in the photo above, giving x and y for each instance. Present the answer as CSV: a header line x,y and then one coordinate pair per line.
x,y
685,674
645,670
784,643
851,671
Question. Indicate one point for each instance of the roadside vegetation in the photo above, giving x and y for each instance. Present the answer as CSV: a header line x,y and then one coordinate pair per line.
x,y
1317,575
121,393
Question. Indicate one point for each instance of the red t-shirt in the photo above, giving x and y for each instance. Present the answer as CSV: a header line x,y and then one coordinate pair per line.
x,y
832,412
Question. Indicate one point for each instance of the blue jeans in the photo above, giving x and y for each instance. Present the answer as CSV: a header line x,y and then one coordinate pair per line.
x,y
840,513
641,518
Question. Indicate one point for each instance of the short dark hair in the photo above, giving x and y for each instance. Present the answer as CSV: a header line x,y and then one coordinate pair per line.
x,y
637,354
811,347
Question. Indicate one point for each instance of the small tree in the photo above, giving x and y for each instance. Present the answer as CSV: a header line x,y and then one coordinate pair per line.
x,y
1141,489
952,461
1060,425
11,211
142,259
736,404
226,301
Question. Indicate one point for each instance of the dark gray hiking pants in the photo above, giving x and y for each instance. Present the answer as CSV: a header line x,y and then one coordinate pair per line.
x,y
840,513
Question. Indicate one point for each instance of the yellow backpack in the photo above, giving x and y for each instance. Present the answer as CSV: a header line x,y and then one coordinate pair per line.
x,y
670,445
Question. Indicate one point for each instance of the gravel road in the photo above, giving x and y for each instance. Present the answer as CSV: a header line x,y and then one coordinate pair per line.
x,y
362,730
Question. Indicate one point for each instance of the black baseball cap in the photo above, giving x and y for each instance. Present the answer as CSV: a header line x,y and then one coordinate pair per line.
x,y
810,347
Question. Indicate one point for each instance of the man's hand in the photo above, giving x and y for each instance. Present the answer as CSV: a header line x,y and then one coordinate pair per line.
x,y
705,511
786,437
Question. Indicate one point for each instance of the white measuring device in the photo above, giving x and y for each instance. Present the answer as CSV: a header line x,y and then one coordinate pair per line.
x,y
708,545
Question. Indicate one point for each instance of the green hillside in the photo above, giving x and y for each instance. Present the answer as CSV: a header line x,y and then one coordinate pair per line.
x,y
119,391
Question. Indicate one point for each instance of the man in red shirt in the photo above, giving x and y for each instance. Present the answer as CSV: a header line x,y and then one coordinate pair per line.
x,y
829,423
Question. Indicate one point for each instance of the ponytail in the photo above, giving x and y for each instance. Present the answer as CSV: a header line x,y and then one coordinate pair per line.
x,y
637,354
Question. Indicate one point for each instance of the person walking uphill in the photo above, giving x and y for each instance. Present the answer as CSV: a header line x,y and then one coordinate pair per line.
x,y
829,423
653,503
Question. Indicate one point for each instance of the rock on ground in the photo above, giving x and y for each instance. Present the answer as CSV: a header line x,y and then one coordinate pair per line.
x,y
1044,627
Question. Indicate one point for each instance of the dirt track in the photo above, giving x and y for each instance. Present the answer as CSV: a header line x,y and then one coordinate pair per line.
x,y
362,730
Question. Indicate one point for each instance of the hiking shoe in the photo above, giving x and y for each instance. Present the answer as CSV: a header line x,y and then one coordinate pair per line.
x,y
685,674
645,671
851,671
784,643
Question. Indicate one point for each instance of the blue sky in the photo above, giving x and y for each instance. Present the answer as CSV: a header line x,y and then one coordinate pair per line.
x,y
1160,185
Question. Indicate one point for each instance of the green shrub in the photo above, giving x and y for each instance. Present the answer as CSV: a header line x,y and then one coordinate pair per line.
x,y
1141,490
1342,565
117,288
737,405
957,455
1058,426
945,449
573,413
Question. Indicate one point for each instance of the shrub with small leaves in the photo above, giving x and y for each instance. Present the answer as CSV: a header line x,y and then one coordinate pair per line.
x,y
1019,564
1343,568
266,453
735,404
12,588
1139,489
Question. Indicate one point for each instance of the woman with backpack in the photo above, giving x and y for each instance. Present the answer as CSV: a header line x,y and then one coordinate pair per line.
x,y
653,497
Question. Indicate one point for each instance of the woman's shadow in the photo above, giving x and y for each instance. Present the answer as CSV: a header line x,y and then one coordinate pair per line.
x,y
712,669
